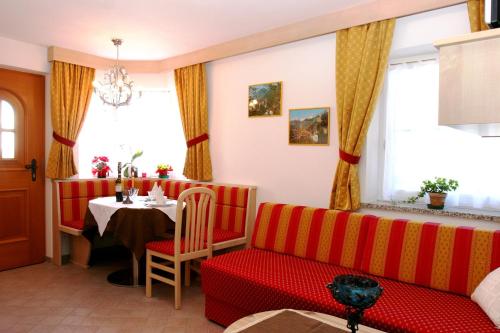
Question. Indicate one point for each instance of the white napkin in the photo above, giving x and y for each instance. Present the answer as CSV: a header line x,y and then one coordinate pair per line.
x,y
158,194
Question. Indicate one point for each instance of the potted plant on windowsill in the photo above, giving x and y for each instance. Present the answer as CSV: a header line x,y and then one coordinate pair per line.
x,y
437,190
163,169
129,169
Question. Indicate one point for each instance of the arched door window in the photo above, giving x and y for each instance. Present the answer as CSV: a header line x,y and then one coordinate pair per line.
x,y
7,130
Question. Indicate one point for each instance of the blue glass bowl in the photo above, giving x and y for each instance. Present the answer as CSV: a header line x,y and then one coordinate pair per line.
x,y
356,291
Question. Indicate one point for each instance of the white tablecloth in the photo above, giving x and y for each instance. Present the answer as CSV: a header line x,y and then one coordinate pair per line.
x,y
103,208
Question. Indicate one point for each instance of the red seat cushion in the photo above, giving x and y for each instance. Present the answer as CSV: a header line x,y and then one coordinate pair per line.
x,y
167,246
258,280
164,246
220,235
77,224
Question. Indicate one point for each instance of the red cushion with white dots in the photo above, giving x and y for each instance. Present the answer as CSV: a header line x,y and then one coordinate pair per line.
x,y
257,280
221,235
164,246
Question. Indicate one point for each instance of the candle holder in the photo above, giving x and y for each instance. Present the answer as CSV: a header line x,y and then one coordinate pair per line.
x,y
357,293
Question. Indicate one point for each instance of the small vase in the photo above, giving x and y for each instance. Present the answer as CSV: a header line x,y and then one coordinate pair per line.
x,y
163,176
102,174
437,200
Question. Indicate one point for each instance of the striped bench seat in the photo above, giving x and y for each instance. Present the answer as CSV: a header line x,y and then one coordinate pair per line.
x,y
427,270
235,210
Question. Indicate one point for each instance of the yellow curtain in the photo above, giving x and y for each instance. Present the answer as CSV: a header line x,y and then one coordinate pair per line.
x,y
361,63
70,93
476,15
192,94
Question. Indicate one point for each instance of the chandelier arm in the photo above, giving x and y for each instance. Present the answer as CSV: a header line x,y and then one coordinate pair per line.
x,y
116,89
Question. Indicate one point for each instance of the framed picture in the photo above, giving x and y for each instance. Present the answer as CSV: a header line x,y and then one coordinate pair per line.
x,y
264,99
309,126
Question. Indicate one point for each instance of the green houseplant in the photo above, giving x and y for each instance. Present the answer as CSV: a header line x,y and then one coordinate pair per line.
x,y
437,190
129,168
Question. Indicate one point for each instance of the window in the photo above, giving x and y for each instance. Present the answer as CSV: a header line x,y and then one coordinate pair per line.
x,y
416,148
151,123
7,130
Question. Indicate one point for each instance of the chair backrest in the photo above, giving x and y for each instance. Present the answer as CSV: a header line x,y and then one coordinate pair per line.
x,y
75,195
231,204
200,211
324,235
231,201
439,256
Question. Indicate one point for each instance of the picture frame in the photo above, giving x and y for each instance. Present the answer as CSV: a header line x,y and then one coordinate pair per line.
x,y
309,126
265,99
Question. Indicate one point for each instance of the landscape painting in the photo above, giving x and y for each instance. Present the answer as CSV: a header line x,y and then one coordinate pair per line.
x,y
309,126
264,99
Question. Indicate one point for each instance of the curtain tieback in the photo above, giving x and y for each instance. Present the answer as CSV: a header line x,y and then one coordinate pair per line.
x,y
63,140
351,159
196,140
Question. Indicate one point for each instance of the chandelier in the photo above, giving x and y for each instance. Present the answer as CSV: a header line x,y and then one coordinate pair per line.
x,y
116,88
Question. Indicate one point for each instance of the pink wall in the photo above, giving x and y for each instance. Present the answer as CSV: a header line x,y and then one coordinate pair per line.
x,y
255,150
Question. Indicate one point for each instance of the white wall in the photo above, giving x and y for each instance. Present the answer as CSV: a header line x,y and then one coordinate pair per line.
x,y
23,56
256,151
415,34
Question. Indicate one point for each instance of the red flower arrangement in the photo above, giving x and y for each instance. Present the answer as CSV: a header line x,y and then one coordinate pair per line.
x,y
163,169
100,166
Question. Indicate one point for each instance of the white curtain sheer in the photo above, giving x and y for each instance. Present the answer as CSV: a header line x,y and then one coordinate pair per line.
x,y
151,123
416,148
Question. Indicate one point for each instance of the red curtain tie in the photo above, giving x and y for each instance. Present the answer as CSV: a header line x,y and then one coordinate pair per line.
x,y
63,140
197,140
351,159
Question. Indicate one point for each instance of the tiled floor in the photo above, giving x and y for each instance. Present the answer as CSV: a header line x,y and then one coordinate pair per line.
x,y
47,298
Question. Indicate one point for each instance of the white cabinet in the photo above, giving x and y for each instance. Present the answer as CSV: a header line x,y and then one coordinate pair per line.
x,y
469,82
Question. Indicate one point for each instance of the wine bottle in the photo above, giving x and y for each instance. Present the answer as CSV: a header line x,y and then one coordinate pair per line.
x,y
118,184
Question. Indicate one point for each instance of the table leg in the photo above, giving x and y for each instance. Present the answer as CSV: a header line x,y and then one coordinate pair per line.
x,y
135,270
127,277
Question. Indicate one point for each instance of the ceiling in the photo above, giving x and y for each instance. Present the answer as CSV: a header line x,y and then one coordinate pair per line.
x,y
151,29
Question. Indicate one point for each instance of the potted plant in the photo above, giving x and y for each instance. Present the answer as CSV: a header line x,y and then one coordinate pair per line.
x,y
129,170
163,169
100,166
437,190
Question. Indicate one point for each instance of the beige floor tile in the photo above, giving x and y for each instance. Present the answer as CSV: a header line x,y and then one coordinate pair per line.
x,y
43,329
69,299
20,328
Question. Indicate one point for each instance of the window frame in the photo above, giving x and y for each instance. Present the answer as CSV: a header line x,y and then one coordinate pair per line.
x,y
374,150
19,130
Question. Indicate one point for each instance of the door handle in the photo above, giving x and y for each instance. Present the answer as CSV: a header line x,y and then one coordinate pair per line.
x,y
32,167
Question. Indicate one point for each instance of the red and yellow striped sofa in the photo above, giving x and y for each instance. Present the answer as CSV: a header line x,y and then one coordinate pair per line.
x,y
427,270
235,210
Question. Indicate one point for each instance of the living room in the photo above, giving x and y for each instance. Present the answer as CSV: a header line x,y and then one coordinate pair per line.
x,y
315,136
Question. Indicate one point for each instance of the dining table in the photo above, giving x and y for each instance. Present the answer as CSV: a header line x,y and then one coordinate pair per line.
x,y
133,225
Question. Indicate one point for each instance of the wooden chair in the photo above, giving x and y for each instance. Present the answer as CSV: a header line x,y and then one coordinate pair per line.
x,y
195,243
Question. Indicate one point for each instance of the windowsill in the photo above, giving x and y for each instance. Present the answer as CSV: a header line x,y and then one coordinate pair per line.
x,y
465,213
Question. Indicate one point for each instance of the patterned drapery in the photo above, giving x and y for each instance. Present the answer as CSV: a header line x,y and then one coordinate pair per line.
x,y
361,63
476,15
191,88
70,93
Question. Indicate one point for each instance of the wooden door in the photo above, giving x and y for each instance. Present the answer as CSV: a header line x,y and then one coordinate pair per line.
x,y
22,198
